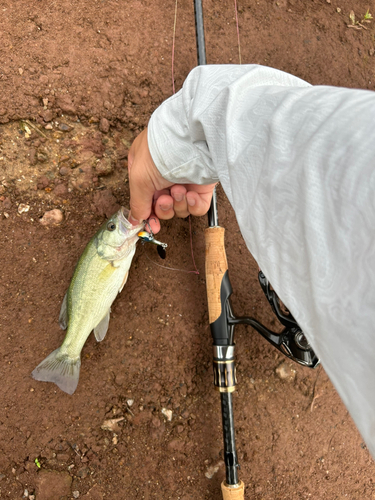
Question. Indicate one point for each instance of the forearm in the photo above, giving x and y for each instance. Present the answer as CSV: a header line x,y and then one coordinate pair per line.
x,y
297,164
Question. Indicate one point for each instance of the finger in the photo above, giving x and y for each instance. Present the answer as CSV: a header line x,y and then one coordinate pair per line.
x,y
153,223
163,207
158,193
198,204
180,207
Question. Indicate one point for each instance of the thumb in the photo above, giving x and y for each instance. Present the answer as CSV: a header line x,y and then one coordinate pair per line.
x,y
141,197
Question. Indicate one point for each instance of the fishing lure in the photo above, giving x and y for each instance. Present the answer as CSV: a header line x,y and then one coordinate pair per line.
x,y
148,237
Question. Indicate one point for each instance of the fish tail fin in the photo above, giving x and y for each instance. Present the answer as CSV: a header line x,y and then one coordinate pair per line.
x,y
60,369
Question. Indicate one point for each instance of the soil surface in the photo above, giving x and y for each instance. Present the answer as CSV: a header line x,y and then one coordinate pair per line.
x,y
78,81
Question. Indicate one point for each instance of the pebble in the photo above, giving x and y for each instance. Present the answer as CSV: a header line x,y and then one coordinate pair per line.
x,y
104,125
104,167
64,127
167,413
286,372
22,208
60,190
130,402
52,217
47,115
212,469
64,171
75,494
42,182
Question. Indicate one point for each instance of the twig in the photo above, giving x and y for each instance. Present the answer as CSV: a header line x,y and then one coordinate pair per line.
x,y
35,128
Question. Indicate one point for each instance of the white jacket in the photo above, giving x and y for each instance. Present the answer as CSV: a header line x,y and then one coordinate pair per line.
x,y
297,163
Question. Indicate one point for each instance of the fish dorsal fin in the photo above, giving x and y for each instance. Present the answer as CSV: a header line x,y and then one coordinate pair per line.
x,y
101,329
64,317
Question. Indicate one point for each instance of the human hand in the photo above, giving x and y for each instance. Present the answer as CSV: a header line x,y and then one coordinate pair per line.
x,y
153,197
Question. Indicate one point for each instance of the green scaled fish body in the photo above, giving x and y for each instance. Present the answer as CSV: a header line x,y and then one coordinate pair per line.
x,y
100,275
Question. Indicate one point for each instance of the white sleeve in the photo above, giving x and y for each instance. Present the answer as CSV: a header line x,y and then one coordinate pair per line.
x,y
298,165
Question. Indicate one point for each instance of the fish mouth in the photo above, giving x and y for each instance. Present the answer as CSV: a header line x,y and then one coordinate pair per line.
x,y
125,226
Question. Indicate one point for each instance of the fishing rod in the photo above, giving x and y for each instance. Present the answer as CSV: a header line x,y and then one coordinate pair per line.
x,y
291,341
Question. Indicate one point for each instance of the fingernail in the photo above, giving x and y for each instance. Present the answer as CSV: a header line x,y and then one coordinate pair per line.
x,y
165,208
191,202
178,196
133,222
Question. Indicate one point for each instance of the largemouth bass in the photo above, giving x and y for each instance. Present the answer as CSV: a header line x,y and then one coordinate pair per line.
x,y
100,275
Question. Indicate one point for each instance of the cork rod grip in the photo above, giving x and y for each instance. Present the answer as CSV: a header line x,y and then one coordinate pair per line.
x,y
233,493
216,266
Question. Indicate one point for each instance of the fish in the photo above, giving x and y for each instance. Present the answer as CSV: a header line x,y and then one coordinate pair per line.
x,y
99,276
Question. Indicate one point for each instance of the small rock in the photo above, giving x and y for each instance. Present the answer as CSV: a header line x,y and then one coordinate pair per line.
x,y
52,485
31,497
180,428
22,208
20,71
2,189
64,171
75,494
42,182
47,115
64,127
167,413
60,190
286,372
49,126
130,402
371,51
45,101
104,125
104,167
212,469
52,217
66,104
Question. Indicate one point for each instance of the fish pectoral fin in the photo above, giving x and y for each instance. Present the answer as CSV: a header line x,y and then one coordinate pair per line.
x,y
63,318
124,281
101,329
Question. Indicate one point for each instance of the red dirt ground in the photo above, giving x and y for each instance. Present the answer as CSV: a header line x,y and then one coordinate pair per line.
x,y
87,75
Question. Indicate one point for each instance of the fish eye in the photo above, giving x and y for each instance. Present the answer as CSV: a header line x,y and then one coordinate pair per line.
x,y
111,226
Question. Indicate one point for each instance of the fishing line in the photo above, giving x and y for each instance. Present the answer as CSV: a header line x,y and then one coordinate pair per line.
x,y
173,44
174,91
172,268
